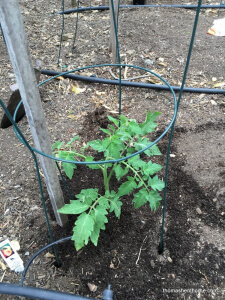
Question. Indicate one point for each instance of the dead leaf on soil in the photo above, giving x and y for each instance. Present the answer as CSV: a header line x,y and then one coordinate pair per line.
x,y
49,255
219,84
77,90
99,93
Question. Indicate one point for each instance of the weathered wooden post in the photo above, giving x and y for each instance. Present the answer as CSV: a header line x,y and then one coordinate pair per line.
x,y
112,39
14,33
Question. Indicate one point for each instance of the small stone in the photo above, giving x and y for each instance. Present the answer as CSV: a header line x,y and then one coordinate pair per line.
x,y
92,287
169,259
27,253
11,75
172,155
214,199
213,102
152,263
198,210
149,62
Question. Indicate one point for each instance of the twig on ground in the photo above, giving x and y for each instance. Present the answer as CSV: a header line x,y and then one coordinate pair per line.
x,y
139,254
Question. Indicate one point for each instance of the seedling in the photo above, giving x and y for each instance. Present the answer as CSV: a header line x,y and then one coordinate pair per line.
x,y
124,137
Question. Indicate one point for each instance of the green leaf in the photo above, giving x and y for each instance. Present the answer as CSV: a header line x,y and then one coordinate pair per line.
x,y
127,187
140,184
99,216
154,150
88,195
67,167
156,183
113,120
114,147
154,199
92,166
123,121
103,201
136,162
140,198
151,168
82,230
72,140
119,171
74,208
107,131
57,145
115,205
113,128
130,150
123,134
149,125
141,143
133,128
97,145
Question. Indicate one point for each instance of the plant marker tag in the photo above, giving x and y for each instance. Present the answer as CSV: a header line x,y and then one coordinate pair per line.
x,y
11,257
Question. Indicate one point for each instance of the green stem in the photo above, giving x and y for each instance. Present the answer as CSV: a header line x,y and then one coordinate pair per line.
x,y
111,172
106,182
78,154
136,173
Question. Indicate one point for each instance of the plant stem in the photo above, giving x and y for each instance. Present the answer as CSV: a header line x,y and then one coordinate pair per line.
x,y
135,172
106,182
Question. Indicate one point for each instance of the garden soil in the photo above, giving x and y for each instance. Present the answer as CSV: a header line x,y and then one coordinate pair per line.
x,y
192,265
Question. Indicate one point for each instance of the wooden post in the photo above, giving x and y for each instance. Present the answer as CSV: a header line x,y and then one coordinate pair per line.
x,y
112,39
14,32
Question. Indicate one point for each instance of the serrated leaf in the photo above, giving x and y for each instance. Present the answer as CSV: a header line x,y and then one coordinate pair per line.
x,y
107,131
57,145
141,143
124,121
151,168
99,216
74,208
82,230
149,125
133,128
140,184
67,167
115,205
98,145
127,187
114,147
113,120
103,201
154,199
154,150
155,183
140,198
88,195
136,162
120,172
